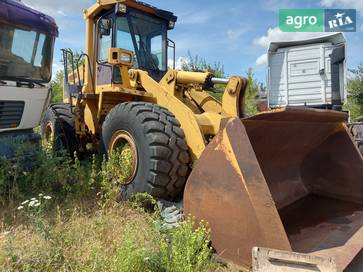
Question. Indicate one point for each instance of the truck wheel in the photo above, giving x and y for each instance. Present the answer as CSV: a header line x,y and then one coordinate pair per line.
x,y
159,153
57,129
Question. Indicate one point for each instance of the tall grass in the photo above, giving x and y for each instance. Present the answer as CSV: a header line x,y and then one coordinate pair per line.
x,y
81,227
33,170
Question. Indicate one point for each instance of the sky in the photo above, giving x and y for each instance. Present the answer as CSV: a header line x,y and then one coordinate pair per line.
x,y
235,33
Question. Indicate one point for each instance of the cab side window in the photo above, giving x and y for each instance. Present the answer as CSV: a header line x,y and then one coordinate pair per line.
x,y
105,39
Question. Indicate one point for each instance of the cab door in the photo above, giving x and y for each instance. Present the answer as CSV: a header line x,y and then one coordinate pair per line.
x,y
104,43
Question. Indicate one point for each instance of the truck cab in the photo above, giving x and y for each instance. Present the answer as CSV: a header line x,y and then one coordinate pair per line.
x,y
26,54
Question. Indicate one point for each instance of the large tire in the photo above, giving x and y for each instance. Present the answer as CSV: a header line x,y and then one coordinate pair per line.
x,y
162,152
57,129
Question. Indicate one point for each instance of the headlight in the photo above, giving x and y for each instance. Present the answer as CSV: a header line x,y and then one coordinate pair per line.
x,y
171,24
119,56
124,57
121,8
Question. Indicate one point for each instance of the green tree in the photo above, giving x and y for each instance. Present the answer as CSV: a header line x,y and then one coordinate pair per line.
x,y
198,64
355,92
57,87
252,93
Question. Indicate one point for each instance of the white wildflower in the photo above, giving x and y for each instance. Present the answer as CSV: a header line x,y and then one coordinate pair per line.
x,y
20,208
47,197
40,195
32,203
33,199
25,202
37,204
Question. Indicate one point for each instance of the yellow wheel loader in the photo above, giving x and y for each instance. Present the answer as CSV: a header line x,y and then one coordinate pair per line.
x,y
280,190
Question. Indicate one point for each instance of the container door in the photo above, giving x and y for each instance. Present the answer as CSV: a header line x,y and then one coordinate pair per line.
x,y
306,80
277,91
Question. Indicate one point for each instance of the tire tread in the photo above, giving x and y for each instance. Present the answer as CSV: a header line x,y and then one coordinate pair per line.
x,y
166,139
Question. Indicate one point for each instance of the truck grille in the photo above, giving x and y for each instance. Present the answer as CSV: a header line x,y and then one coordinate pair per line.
x,y
11,113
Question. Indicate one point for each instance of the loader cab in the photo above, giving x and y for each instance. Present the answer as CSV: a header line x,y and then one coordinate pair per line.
x,y
132,29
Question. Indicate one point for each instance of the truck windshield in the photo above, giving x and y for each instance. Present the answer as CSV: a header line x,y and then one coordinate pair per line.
x,y
25,55
149,38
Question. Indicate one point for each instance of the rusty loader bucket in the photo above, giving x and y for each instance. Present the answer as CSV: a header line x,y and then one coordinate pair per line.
x,y
290,180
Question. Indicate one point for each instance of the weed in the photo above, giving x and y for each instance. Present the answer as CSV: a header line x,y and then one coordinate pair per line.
x,y
138,250
145,202
187,248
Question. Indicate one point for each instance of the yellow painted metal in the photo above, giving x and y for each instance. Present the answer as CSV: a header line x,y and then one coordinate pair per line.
x,y
209,122
205,101
90,51
169,82
109,4
115,57
90,117
104,88
192,77
118,88
100,106
232,102
185,116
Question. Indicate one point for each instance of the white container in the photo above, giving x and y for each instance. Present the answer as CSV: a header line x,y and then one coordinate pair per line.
x,y
300,73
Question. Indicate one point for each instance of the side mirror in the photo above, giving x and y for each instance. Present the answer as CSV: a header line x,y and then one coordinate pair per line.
x,y
105,27
119,56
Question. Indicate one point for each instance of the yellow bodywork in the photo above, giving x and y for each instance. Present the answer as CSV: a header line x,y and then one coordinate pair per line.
x,y
180,92
197,122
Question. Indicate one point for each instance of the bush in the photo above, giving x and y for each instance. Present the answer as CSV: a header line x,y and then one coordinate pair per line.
x,y
138,250
355,93
184,249
114,172
187,249
34,170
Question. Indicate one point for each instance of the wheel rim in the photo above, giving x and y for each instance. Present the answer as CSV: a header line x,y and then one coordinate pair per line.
x,y
124,144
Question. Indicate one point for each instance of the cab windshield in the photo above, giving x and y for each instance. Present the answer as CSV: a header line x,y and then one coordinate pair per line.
x,y
146,36
25,55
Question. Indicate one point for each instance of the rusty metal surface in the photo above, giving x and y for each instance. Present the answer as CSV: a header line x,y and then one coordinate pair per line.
x,y
227,188
325,227
258,168
306,151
